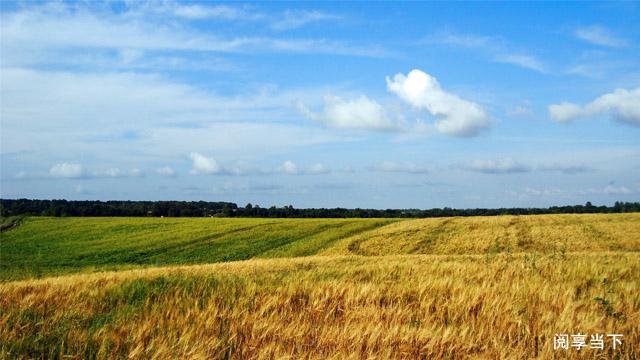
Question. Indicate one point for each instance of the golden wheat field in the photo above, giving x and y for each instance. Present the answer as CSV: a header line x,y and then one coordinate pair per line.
x,y
454,288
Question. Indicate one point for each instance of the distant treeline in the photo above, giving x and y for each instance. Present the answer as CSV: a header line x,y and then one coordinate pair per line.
x,y
9,207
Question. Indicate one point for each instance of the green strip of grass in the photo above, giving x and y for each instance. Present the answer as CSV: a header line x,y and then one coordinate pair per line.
x,y
43,246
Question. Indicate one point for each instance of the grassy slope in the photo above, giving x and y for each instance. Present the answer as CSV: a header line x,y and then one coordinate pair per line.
x,y
49,246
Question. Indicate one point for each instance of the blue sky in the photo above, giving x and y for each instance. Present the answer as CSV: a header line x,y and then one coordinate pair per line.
x,y
383,105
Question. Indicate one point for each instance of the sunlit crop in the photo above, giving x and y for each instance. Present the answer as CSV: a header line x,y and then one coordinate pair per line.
x,y
470,288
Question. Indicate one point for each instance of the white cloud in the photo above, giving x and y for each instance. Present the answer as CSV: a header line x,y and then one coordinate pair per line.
x,y
294,19
508,165
289,167
67,170
141,9
404,167
35,33
616,190
494,48
197,12
318,168
136,172
72,170
521,110
206,165
565,111
359,113
20,175
168,117
598,35
505,166
287,20
622,104
529,193
569,169
456,116
203,165
464,40
542,192
524,61
112,172
166,171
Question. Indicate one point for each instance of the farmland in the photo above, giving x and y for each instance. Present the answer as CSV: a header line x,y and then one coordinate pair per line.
x,y
487,287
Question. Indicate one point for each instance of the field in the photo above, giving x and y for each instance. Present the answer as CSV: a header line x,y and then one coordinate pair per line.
x,y
479,287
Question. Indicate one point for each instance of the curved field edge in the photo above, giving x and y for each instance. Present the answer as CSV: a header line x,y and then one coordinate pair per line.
x,y
411,306
43,246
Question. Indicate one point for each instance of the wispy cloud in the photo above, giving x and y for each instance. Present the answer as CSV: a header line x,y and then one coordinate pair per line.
x,y
566,168
525,61
293,19
493,48
291,168
36,33
599,35
399,167
166,171
511,166
505,166
288,19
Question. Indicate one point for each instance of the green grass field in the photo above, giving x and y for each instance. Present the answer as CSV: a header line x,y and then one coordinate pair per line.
x,y
52,246
41,246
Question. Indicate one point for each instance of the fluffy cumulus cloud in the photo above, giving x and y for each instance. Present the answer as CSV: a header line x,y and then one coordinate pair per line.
x,y
67,170
565,111
505,166
456,116
404,167
359,113
289,167
207,165
621,104
203,165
